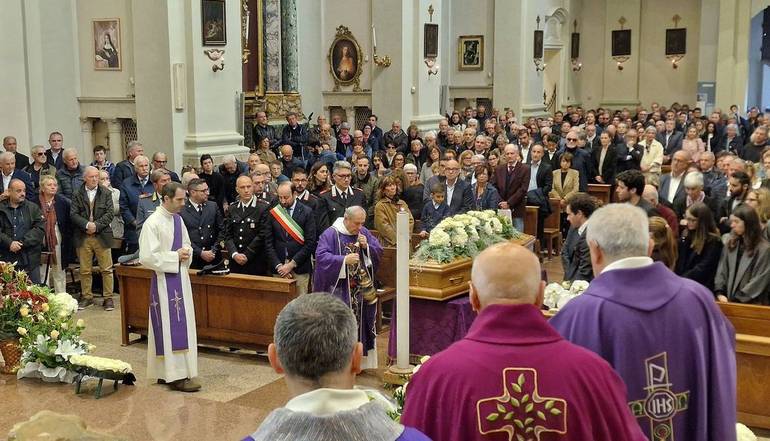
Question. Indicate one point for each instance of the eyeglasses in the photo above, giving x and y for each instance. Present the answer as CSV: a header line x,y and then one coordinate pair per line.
x,y
571,139
344,176
161,162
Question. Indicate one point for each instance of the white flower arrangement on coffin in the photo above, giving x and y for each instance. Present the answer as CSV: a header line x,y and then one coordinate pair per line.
x,y
559,294
464,235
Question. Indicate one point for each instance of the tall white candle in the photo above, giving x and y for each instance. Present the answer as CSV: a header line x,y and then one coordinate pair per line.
x,y
402,290
374,37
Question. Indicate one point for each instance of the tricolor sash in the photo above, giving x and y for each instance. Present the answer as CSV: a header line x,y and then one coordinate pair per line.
x,y
176,307
292,228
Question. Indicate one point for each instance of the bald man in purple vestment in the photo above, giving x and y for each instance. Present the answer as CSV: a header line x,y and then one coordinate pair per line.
x,y
513,377
662,333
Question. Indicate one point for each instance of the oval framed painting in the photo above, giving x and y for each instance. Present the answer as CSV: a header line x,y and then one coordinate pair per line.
x,y
345,59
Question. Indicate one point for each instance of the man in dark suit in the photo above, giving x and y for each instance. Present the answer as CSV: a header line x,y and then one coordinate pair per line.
x,y
672,184
204,224
125,168
512,181
731,140
299,179
581,159
540,184
575,255
341,195
551,153
291,238
160,162
92,212
9,145
54,154
9,173
245,231
137,186
671,140
459,196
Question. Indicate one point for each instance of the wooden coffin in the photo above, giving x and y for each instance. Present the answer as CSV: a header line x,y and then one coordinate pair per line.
x,y
434,281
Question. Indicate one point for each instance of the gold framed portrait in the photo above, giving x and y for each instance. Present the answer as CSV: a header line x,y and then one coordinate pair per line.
x,y
470,52
345,60
107,44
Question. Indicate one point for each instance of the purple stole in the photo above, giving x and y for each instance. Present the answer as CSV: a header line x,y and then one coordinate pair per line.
x,y
176,308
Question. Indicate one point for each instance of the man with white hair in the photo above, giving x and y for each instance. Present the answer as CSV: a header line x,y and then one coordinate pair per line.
x,y
9,172
344,252
512,182
662,333
125,168
731,140
333,203
230,170
513,374
70,175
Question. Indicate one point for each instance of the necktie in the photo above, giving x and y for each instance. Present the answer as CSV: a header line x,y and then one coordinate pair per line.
x,y
200,209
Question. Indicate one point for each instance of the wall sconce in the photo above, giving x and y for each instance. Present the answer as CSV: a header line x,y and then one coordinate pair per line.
x,y
676,42
217,56
575,50
432,66
621,44
385,60
537,49
675,59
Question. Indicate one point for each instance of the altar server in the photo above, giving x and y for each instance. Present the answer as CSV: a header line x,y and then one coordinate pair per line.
x,y
164,247
662,333
513,376
347,255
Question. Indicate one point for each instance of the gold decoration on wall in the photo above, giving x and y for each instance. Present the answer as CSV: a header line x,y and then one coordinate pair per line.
x,y
345,60
276,105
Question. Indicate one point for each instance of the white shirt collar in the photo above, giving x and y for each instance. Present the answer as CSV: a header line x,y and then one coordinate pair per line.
x,y
336,191
252,202
629,263
324,402
582,228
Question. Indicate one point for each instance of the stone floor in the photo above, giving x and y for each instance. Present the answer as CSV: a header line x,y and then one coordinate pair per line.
x,y
239,390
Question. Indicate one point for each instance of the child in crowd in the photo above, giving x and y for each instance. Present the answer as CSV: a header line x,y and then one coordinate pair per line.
x,y
434,211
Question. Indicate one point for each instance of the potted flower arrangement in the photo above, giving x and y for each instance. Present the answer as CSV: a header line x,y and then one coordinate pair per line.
x,y
440,267
18,300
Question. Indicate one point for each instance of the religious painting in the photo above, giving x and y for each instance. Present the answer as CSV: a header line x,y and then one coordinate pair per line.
x,y
107,44
431,40
537,50
621,43
213,28
345,59
470,50
575,48
676,41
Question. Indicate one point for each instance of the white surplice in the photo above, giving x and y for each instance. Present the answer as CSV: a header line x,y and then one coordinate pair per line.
x,y
155,253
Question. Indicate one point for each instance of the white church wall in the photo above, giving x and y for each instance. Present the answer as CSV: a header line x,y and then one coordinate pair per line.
x,y
14,113
312,56
476,18
356,16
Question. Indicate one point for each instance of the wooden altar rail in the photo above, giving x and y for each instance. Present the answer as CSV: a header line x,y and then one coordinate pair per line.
x,y
232,311
752,329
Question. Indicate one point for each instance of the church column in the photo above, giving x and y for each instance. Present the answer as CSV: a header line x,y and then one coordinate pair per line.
x,y
289,69
87,136
115,136
272,45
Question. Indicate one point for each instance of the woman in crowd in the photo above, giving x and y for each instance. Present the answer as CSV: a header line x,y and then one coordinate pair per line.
x,y
566,181
501,141
485,196
380,165
430,141
710,137
412,133
426,172
664,242
456,121
759,200
743,274
262,149
412,193
692,143
604,160
386,210
58,233
466,164
700,246
398,162
493,159
417,154
754,178
319,179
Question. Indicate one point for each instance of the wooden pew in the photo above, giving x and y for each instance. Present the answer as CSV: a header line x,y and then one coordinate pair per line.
x,y
603,192
232,311
752,329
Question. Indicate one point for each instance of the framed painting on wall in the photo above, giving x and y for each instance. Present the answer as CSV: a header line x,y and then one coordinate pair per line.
x,y
621,43
431,40
470,52
676,41
107,44
213,24
345,59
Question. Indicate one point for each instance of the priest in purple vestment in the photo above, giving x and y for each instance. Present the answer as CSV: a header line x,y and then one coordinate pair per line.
x,y
344,247
662,333
513,377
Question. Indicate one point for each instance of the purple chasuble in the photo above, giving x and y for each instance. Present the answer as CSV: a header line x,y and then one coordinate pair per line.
x,y
330,256
176,308
513,377
670,343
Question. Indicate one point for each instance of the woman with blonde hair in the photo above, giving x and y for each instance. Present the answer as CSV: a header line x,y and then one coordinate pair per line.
x,y
664,243
388,206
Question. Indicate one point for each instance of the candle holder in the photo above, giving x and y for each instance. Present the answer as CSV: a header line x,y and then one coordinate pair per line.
x,y
382,62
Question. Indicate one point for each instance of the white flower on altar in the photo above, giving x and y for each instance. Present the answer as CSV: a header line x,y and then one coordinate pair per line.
x,y
66,348
578,286
439,238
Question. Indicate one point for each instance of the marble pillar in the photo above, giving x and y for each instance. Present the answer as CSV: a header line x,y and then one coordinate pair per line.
x,y
289,64
115,136
272,45
87,136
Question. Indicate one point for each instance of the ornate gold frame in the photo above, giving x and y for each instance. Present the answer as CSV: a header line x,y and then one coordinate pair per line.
x,y
460,40
343,33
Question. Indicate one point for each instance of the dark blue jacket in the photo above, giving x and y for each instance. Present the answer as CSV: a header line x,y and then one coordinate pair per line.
x,y
489,200
130,193
281,247
431,215
23,176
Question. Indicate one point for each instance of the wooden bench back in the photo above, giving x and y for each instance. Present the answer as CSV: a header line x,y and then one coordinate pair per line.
x,y
554,219
530,220
602,192
748,319
386,272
